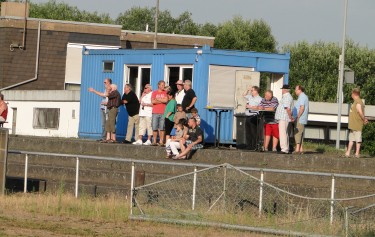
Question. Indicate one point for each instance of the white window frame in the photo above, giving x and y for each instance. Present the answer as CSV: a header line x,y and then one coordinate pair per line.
x,y
127,74
181,66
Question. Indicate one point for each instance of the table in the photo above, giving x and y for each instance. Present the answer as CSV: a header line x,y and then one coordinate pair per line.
x,y
218,111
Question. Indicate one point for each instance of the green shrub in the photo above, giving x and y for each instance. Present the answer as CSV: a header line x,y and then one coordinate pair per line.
x,y
368,137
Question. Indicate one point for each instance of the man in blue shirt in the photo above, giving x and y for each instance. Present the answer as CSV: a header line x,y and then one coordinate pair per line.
x,y
301,114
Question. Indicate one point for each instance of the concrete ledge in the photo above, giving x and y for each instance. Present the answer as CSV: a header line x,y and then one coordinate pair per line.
x,y
108,176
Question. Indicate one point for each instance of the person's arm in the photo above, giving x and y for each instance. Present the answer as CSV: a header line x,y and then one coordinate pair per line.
x,y
289,112
192,103
163,100
245,93
199,140
301,110
97,92
360,112
2,108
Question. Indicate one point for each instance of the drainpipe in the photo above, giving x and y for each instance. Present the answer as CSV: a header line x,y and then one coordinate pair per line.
x,y
22,47
36,66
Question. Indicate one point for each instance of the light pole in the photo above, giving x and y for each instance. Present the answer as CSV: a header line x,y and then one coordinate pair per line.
x,y
156,25
341,79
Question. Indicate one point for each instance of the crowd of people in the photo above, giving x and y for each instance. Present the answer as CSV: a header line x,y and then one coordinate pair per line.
x,y
276,124
169,118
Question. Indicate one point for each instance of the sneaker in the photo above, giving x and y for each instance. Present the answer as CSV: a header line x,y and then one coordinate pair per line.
x,y
138,142
147,143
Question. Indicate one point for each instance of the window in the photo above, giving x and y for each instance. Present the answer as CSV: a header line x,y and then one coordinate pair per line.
x,y
175,73
46,118
138,77
108,66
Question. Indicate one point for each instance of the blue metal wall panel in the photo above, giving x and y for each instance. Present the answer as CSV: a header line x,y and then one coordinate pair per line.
x,y
92,76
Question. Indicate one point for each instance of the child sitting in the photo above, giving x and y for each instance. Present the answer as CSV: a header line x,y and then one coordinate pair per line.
x,y
172,145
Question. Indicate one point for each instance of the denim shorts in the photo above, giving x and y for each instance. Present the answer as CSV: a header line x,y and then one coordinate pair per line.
x,y
157,122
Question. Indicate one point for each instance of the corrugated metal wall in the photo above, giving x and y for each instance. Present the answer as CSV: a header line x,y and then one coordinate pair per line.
x,y
92,76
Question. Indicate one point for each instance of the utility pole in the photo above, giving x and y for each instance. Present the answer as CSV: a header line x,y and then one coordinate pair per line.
x,y
156,25
341,79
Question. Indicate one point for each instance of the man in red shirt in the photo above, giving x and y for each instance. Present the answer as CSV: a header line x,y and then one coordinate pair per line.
x,y
159,100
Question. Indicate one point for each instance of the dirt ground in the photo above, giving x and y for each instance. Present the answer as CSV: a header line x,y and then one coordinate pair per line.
x,y
21,223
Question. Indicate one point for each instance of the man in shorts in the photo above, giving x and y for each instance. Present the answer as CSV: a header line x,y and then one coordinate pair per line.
x,y
271,127
356,121
301,113
159,100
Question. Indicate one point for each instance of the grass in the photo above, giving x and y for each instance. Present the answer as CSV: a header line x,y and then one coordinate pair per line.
x,y
61,214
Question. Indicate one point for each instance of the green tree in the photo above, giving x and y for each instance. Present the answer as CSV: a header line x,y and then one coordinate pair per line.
x,y
245,35
208,29
137,18
62,11
315,66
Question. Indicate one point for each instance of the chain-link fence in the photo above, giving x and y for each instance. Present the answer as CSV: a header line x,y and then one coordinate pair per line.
x,y
229,197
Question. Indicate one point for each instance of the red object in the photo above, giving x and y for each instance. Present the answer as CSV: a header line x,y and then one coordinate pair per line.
x,y
271,130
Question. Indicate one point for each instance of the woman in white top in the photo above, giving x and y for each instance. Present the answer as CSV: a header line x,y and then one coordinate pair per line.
x,y
145,116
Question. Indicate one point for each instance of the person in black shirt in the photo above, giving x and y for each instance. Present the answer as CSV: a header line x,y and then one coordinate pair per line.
x,y
194,140
189,99
131,102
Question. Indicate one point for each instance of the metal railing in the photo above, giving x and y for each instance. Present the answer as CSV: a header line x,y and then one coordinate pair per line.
x,y
186,164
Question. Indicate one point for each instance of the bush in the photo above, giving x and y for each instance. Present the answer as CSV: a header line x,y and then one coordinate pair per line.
x,y
368,136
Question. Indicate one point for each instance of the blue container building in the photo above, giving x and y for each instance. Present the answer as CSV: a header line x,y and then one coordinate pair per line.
x,y
219,78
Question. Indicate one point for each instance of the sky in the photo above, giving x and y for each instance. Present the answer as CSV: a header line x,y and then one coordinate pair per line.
x,y
290,20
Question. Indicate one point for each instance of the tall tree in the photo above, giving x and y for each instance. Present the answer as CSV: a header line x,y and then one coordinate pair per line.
x,y
316,67
62,11
245,35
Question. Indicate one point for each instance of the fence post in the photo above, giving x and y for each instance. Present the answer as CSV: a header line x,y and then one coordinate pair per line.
x,y
132,188
332,197
225,186
261,192
194,187
77,177
26,169
346,222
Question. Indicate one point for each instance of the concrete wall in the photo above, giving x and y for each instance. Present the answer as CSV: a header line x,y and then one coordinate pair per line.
x,y
114,176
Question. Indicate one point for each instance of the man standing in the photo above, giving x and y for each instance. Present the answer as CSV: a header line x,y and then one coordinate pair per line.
x,y
114,101
284,117
3,109
180,92
159,100
356,121
103,107
302,112
189,99
253,101
270,103
131,102
145,116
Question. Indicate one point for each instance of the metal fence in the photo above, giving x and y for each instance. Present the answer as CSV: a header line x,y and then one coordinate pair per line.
x,y
233,197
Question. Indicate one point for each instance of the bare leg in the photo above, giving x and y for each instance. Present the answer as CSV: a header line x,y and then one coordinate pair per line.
x,y
350,146
161,138
184,153
113,136
266,142
108,136
357,149
155,133
274,143
298,147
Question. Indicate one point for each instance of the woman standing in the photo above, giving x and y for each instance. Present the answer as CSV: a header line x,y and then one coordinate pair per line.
x,y
169,113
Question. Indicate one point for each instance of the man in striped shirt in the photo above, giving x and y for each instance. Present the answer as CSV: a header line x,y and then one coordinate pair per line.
x,y
271,128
